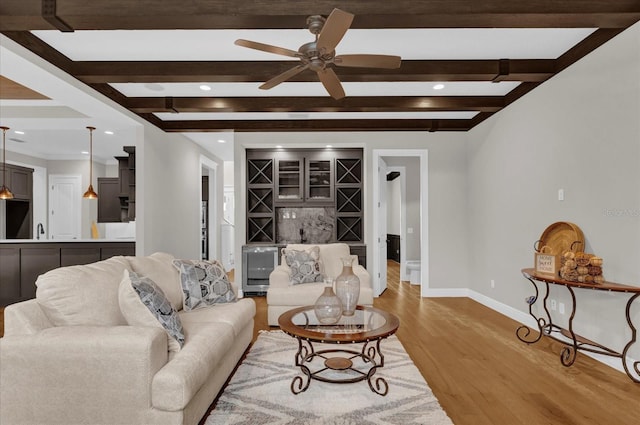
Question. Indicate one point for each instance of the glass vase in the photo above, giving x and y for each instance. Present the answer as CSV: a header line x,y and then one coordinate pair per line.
x,y
328,307
348,287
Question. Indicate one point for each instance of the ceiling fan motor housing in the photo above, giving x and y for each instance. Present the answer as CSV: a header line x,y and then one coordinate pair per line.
x,y
314,58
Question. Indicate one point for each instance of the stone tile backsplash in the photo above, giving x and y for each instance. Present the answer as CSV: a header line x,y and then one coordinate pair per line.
x,y
305,225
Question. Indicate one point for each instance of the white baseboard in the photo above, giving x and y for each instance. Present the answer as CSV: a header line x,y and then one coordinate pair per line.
x,y
518,316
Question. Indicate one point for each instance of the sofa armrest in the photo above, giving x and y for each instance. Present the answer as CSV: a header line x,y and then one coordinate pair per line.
x,y
24,318
363,275
280,277
84,371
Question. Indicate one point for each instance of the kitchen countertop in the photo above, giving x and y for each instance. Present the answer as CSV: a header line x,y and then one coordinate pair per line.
x,y
9,241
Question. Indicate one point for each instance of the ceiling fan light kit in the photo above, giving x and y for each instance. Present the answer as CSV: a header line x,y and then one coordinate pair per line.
x,y
320,54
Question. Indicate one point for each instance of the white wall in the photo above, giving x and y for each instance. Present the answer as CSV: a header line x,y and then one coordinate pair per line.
x,y
579,131
168,194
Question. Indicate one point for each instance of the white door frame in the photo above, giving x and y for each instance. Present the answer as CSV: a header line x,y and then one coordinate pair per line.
x,y
422,154
213,225
380,233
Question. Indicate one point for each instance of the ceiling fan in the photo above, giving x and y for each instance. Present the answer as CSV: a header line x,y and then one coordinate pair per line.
x,y
318,54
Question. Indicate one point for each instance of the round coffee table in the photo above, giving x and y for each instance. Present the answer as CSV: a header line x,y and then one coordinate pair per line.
x,y
367,326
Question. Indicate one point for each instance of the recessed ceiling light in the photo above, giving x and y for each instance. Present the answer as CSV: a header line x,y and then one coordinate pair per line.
x,y
19,132
222,141
109,132
438,87
85,152
329,146
278,146
205,87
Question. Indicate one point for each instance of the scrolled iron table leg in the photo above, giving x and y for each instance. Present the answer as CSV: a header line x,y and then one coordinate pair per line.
x,y
305,352
378,385
636,364
524,331
569,353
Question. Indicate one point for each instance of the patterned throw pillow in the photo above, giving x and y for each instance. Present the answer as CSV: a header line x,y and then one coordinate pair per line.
x,y
204,283
304,265
143,303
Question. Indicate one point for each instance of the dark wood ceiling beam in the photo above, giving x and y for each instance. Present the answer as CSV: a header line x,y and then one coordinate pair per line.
x,y
213,14
315,104
316,125
586,46
239,71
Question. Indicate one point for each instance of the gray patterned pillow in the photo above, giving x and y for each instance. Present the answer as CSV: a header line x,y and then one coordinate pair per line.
x,y
143,303
304,265
204,283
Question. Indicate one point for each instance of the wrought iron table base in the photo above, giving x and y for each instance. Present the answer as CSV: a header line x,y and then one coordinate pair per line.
x,y
573,342
370,354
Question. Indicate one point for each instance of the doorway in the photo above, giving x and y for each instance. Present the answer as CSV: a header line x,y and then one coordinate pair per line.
x,y
208,209
419,210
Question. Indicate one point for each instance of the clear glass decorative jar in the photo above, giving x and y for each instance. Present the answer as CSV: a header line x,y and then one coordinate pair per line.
x,y
348,287
328,307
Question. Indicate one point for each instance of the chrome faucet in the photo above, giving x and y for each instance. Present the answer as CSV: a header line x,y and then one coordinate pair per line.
x,y
39,230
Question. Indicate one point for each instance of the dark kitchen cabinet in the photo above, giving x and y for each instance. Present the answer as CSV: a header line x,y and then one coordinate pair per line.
x,y
17,213
109,210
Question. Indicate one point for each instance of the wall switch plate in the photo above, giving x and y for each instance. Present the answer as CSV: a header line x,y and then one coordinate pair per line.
x,y
561,308
493,283
560,194
409,230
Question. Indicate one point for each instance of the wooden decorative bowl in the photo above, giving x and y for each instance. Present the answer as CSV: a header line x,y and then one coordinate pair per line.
x,y
560,237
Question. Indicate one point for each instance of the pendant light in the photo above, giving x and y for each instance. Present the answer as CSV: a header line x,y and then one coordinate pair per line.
x,y
5,193
90,193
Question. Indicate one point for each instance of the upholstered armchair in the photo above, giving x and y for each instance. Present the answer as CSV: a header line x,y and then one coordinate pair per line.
x,y
283,294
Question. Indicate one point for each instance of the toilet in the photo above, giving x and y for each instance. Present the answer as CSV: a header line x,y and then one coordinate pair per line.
x,y
413,268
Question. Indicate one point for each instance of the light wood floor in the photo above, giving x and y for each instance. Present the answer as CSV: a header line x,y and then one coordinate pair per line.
x,y
483,375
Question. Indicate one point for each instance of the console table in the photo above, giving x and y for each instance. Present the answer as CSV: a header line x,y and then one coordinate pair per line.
x,y
572,342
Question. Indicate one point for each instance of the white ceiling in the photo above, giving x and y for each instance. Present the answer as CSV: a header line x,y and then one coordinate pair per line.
x,y
55,129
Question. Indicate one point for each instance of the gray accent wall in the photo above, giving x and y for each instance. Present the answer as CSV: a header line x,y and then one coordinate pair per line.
x,y
580,132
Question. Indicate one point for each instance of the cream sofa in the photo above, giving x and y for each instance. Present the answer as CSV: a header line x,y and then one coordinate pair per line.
x,y
283,296
69,357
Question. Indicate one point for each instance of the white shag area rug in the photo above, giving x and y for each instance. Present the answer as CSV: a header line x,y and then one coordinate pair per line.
x,y
260,391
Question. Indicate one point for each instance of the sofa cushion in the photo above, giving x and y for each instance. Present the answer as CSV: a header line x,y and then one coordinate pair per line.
x,y
237,314
158,267
304,264
83,295
144,304
204,283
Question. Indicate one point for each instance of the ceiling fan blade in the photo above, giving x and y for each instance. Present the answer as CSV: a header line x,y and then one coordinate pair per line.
x,y
266,48
368,61
330,81
283,77
333,30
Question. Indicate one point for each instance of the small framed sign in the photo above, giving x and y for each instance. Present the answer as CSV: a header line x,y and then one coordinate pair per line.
x,y
548,264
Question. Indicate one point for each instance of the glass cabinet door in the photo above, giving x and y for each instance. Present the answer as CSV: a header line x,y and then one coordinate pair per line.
x,y
289,180
319,179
